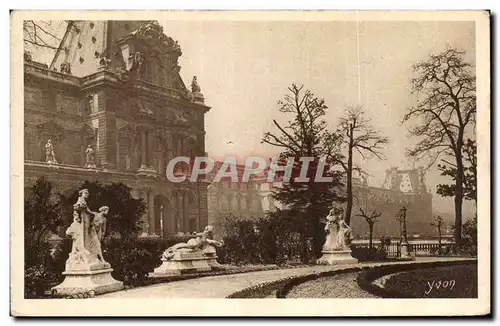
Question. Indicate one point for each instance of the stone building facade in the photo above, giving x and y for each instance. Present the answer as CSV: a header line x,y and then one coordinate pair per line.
x,y
241,199
115,86
400,188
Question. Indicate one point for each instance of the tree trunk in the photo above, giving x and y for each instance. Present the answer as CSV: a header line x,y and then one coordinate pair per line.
x,y
348,210
459,190
371,236
439,237
305,251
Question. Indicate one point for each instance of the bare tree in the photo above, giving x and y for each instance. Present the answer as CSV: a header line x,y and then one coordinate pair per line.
x,y
358,136
40,34
370,219
438,224
305,134
446,107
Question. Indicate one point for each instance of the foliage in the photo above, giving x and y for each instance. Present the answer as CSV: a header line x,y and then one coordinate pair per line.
x,y
357,136
305,201
124,217
449,169
363,254
41,213
273,239
446,109
37,279
468,247
41,217
131,262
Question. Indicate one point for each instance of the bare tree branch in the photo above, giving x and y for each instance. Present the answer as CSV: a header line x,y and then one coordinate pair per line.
x,y
446,88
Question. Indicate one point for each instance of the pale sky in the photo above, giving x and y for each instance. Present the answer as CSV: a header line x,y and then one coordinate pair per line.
x,y
245,67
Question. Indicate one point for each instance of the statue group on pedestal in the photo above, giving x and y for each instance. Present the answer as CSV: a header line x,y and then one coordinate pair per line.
x,y
86,269
87,231
337,232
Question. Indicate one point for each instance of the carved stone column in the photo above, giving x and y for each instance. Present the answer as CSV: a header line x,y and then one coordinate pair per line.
x,y
150,162
169,149
161,164
143,149
151,213
180,214
136,194
180,150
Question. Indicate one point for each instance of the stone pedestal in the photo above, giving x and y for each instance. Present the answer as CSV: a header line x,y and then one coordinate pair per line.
x,y
186,262
340,257
83,281
212,262
405,251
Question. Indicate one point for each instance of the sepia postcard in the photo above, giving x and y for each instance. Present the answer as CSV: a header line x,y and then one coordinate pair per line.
x,y
314,163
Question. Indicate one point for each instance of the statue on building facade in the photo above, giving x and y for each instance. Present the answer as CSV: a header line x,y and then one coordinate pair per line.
x,y
104,62
137,61
27,56
195,88
50,156
127,161
90,157
65,68
179,118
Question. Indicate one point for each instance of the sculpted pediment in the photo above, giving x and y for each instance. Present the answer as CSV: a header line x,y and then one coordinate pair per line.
x,y
150,55
143,107
87,130
154,31
51,126
127,129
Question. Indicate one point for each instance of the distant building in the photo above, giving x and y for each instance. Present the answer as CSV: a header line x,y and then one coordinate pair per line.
x,y
245,200
400,188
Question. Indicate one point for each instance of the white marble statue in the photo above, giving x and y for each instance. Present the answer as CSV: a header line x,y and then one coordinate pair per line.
x,y
86,270
338,232
203,242
50,156
87,231
100,222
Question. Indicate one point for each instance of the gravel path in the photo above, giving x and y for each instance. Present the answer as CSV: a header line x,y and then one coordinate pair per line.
x,y
337,286
224,285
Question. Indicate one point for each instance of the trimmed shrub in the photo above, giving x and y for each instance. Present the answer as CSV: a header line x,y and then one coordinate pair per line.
x,y
133,260
37,280
269,240
363,254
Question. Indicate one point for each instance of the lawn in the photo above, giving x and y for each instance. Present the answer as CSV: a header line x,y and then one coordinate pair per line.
x,y
343,285
458,281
